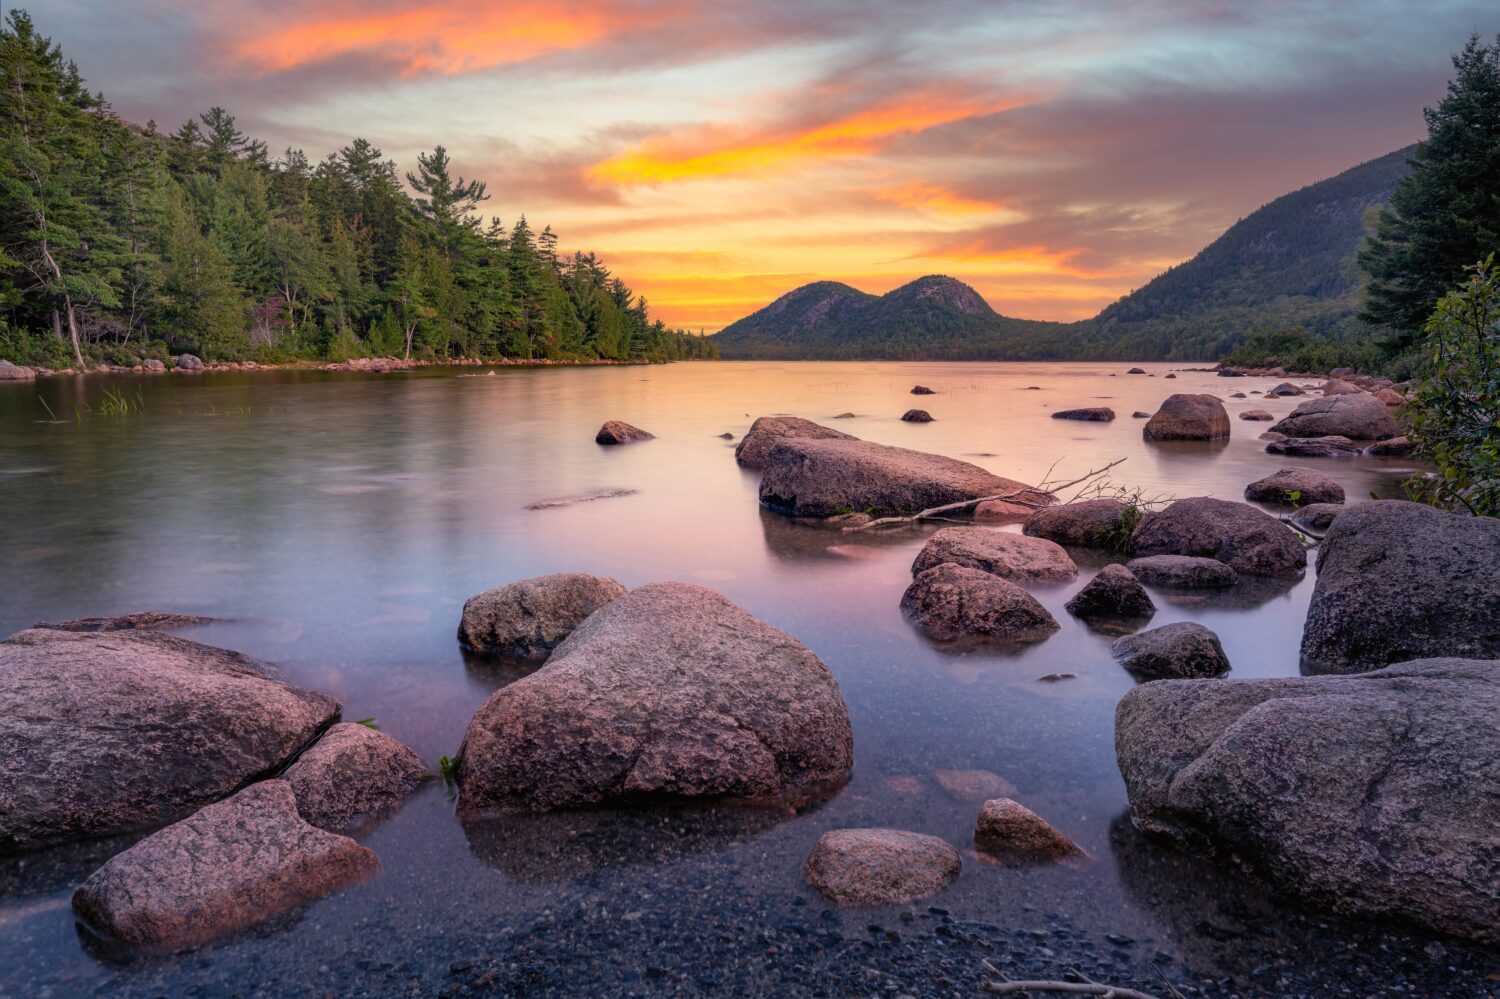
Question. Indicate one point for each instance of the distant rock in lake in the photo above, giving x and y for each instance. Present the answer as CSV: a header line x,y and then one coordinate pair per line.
x,y
1187,417
1096,414
616,432
916,416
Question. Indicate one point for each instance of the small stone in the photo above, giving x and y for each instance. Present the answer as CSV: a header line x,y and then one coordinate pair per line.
x,y
866,867
1011,832
617,432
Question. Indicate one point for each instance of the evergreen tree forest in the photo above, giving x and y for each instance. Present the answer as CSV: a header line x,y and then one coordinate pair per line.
x,y
120,242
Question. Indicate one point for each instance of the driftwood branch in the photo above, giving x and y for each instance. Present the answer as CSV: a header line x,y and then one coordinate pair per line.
x,y
1035,497
1072,988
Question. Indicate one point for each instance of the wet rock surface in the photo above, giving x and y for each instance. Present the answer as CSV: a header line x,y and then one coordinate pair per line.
x,y
1113,594
1244,538
529,618
1183,650
670,692
869,867
1373,795
138,621
1399,581
352,775
1295,487
102,733
1015,557
1183,572
1091,414
1098,522
916,416
1012,833
766,432
1396,447
952,603
1357,416
1316,517
619,432
1188,417
1315,447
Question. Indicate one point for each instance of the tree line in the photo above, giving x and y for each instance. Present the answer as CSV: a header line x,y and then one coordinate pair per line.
x,y
119,242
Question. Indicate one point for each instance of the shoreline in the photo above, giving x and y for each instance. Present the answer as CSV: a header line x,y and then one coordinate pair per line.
x,y
366,365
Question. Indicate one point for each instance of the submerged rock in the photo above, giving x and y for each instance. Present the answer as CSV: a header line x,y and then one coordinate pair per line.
x,y
529,618
950,602
669,693
1295,486
974,786
1187,417
766,432
616,432
1114,593
1010,832
104,733
1316,517
916,416
1009,556
1099,522
231,865
138,621
864,867
1094,414
1314,447
1396,447
1244,538
820,478
351,775
1179,651
1400,581
1183,572
1374,795
1358,417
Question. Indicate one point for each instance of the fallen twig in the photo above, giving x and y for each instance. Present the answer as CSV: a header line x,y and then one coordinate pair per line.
x,y
1075,988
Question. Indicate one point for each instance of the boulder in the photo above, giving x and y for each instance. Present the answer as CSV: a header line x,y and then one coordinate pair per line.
x,y
137,621
1092,414
1374,795
767,431
351,775
1286,389
1136,371
1257,416
670,693
1399,581
1010,832
1396,447
222,870
1239,395
824,477
1315,518
950,603
15,373
109,732
1244,538
1138,415
616,432
1098,522
921,390
1009,556
1338,386
153,365
1294,487
1001,512
864,867
1187,417
1359,417
974,786
189,362
1314,447
1171,376
529,618
1183,572
916,416
1180,651
1114,593
1231,373
1390,397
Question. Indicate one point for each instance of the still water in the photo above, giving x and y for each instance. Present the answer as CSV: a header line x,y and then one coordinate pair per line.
x,y
338,522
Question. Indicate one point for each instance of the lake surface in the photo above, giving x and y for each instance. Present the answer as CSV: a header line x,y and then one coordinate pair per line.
x,y
340,521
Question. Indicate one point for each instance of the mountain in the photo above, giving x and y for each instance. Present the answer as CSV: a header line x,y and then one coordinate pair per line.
x,y
1289,263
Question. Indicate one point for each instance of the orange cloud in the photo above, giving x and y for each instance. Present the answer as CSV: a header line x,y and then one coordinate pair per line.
x,y
680,157
935,199
441,38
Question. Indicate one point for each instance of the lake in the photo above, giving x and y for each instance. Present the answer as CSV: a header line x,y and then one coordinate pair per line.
x,y
338,522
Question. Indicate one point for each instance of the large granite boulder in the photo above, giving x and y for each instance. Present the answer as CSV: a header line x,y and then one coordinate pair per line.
x,y
619,432
1008,831
754,448
820,478
1183,572
1246,539
1374,795
529,618
671,693
952,603
1180,651
1295,486
231,865
1359,417
1113,594
1396,447
15,372
1000,553
189,362
865,867
1188,417
352,775
1097,522
1286,389
1313,447
1399,581
104,733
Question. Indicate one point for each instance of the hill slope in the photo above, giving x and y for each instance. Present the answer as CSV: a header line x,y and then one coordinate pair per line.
x,y
1291,262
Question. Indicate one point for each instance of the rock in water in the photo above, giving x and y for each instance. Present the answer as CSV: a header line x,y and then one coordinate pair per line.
x,y
1286,389
1095,414
616,432
880,866
1009,831
138,621
1187,417
1338,386
1113,593
1248,540
999,553
222,870
103,733
1316,517
15,373
1399,581
921,390
1136,371
1097,522
1360,417
530,618
1314,447
672,693
820,478
1001,512
1396,447
353,774
1374,795
1295,486
189,362
1181,651
974,786
951,603
767,431
916,416
1257,416
1183,572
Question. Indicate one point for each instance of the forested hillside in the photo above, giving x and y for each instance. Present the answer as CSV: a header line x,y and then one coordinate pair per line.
x,y
119,241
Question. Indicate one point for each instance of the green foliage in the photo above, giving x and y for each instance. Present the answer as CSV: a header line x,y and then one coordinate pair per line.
x,y
1297,349
1446,213
114,236
448,769
1456,407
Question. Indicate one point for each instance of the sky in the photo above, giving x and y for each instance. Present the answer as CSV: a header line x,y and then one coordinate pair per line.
x,y
1054,154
